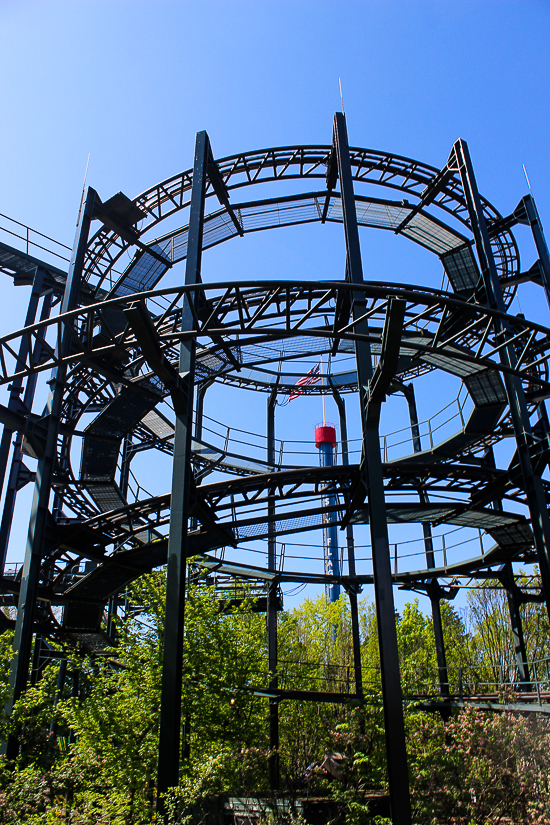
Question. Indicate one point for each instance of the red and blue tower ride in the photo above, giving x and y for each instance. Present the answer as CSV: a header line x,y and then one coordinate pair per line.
x,y
325,441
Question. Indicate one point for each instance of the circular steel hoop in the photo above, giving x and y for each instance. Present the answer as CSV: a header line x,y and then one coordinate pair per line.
x,y
380,169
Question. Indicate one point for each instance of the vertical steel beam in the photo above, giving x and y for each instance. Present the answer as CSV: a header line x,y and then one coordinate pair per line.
x,y
533,219
353,588
201,392
40,513
272,655
127,455
16,385
112,615
36,659
518,639
543,421
507,579
199,414
434,590
172,663
373,481
61,675
532,484
13,485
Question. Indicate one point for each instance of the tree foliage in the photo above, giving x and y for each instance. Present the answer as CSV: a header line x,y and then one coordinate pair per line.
x,y
97,764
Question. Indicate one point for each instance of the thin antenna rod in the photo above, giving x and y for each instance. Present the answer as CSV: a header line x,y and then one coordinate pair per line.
x,y
341,95
83,188
527,178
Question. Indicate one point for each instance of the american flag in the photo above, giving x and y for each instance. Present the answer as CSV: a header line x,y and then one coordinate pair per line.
x,y
313,377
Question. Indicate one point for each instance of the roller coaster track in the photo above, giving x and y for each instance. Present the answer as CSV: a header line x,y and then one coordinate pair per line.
x,y
118,352
270,322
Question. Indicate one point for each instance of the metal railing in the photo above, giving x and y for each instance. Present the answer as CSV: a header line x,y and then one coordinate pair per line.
x,y
398,443
32,239
494,683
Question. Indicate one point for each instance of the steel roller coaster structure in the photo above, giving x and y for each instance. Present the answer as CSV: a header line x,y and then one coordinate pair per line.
x,y
131,361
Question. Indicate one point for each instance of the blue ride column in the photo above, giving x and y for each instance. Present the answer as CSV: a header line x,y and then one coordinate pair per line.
x,y
325,441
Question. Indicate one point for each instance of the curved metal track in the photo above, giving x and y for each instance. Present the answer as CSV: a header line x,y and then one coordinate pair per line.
x,y
242,328
439,328
269,166
254,336
124,373
136,533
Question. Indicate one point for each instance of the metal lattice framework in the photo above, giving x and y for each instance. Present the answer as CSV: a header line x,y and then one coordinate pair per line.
x,y
128,355
407,176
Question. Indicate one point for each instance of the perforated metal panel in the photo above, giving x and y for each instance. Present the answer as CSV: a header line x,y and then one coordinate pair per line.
x,y
143,272
461,268
157,424
431,234
101,446
513,535
106,496
486,388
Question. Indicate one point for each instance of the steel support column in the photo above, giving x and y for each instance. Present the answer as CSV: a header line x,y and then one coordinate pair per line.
x,y
61,676
353,587
533,220
172,663
199,412
112,615
16,386
518,639
434,591
14,478
272,601
532,484
127,455
507,580
36,659
40,513
372,478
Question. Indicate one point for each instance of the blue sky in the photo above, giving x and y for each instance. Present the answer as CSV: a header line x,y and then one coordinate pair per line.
x,y
130,83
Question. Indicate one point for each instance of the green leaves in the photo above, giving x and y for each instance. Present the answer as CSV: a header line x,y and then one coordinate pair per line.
x,y
479,768
100,767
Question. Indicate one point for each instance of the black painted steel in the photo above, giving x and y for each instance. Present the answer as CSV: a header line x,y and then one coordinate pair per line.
x,y
434,590
408,176
170,712
456,333
516,625
531,216
525,441
14,402
141,346
353,588
19,475
40,514
272,602
372,479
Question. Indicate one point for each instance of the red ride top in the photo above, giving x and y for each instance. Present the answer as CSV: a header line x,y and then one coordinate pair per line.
x,y
325,435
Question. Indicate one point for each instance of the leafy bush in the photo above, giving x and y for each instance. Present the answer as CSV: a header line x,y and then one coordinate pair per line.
x,y
100,765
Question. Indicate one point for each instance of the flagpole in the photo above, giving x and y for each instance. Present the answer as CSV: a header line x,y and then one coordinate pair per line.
x,y
323,394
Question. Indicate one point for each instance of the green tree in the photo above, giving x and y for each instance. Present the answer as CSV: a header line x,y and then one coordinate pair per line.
x,y
111,764
488,616
101,766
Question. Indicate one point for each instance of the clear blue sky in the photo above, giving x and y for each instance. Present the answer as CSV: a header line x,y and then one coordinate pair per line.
x,y
130,82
